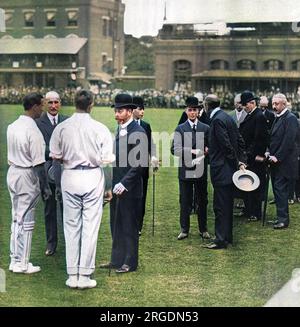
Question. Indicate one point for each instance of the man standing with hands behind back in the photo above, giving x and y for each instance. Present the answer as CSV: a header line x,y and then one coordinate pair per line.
x,y
47,123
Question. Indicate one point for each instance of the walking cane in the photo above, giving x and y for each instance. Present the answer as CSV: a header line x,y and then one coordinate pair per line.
x,y
153,201
266,193
114,227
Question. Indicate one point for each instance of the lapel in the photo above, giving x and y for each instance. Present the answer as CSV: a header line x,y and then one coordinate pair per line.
x,y
47,126
278,122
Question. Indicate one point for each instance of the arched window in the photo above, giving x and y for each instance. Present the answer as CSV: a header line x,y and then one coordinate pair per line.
x,y
219,64
296,65
246,64
182,71
273,64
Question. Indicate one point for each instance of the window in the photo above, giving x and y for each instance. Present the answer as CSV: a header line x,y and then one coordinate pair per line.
x,y
296,65
50,18
107,26
28,19
72,17
182,71
246,64
8,19
219,64
273,64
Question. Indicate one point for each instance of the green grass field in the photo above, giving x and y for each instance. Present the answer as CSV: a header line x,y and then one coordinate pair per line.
x,y
171,272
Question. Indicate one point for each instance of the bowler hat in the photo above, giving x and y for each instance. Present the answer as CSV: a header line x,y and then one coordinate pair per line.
x,y
192,102
246,97
124,100
139,102
245,180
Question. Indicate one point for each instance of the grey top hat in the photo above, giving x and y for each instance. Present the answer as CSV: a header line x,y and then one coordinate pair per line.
x,y
245,180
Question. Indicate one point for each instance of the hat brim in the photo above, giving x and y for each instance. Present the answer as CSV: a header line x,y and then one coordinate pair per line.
x,y
246,180
124,105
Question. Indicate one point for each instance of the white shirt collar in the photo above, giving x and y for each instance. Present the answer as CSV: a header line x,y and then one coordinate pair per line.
x,y
214,112
52,117
138,121
126,124
192,123
282,112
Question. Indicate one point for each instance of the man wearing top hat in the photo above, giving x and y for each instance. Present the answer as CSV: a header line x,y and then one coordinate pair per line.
x,y
254,130
138,115
190,144
127,185
46,124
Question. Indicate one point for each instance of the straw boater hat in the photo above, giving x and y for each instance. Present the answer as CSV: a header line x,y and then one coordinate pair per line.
x,y
245,180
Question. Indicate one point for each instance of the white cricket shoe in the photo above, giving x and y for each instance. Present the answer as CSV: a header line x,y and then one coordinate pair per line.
x,y
86,282
11,266
31,269
72,281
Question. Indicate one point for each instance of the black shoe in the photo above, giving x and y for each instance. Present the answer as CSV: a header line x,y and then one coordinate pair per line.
x,y
214,246
124,269
182,236
280,226
49,252
140,233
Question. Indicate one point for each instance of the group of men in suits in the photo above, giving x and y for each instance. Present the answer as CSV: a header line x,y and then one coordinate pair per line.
x,y
251,137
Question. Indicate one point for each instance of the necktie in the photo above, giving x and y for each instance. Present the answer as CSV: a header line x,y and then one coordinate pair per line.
x,y
54,122
194,128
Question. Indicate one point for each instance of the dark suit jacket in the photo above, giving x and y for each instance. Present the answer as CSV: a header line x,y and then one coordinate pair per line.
x,y
269,116
46,127
254,131
151,146
126,173
226,148
183,133
283,145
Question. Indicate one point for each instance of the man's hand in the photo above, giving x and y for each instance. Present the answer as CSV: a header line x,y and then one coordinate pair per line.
x,y
154,163
273,159
196,152
119,189
260,158
46,193
197,161
242,166
107,196
58,194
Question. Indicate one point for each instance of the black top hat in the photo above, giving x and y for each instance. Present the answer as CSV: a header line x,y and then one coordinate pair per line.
x,y
139,102
123,100
246,97
192,102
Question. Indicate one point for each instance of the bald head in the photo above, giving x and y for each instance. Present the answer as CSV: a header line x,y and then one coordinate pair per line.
x,y
211,102
53,102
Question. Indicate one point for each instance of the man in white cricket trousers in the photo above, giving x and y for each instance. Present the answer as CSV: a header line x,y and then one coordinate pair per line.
x,y
84,146
26,180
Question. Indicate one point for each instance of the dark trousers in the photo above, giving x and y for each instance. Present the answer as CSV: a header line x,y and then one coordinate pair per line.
x,y
253,200
186,190
50,212
124,219
280,186
143,202
223,209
